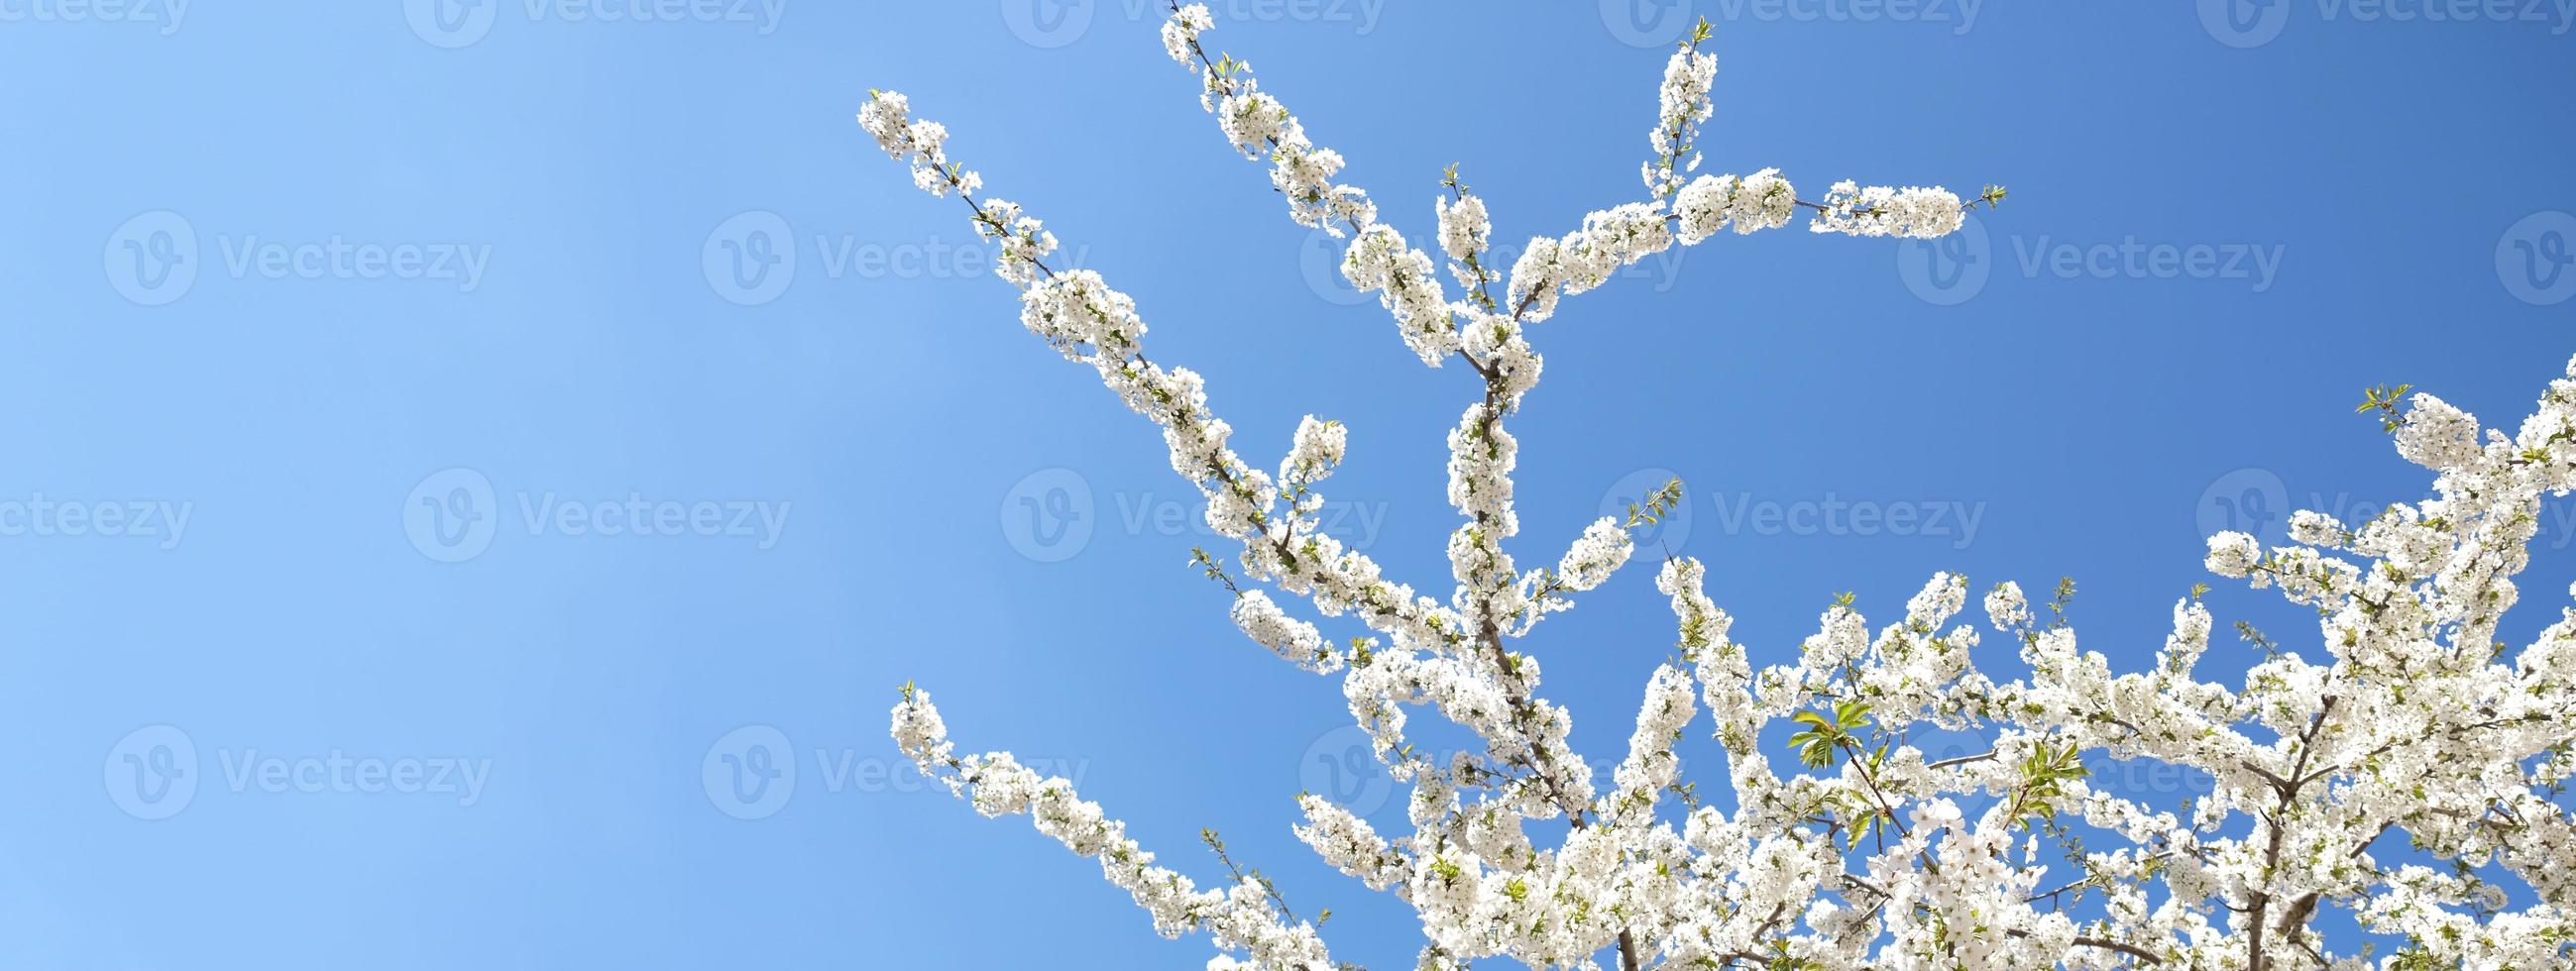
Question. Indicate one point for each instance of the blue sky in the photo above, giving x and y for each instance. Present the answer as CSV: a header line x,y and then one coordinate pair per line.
x,y
450,444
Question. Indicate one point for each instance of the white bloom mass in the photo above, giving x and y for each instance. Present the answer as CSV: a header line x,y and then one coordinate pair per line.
x,y
2402,773
1881,211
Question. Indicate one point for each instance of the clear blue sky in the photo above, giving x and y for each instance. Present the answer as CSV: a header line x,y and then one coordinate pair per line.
x,y
292,289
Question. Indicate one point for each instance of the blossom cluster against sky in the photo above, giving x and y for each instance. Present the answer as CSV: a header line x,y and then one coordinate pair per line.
x,y
750,436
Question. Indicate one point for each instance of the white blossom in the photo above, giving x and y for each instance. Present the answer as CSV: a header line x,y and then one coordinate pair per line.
x,y
2436,435
2338,768
1288,637
2233,554
1882,211
1602,550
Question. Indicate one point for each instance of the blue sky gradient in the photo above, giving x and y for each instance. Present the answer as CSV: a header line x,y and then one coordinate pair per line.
x,y
498,431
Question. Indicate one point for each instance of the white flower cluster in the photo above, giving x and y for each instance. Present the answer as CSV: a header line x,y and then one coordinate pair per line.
x,y
2233,554
1586,258
1866,850
1610,239
1622,235
1258,125
1603,549
1314,452
1481,456
887,116
2006,608
1081,317
1535,278
998,785
2437,436
1077,313
1465,230
1378,262
1753,203
1702,207
1025,242
1688,76
1349,844
1651,765
1496,343
1882,211
1181,32
1288,637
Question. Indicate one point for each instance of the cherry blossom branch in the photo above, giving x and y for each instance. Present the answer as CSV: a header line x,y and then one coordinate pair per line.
x,y
1239,919
2408,723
